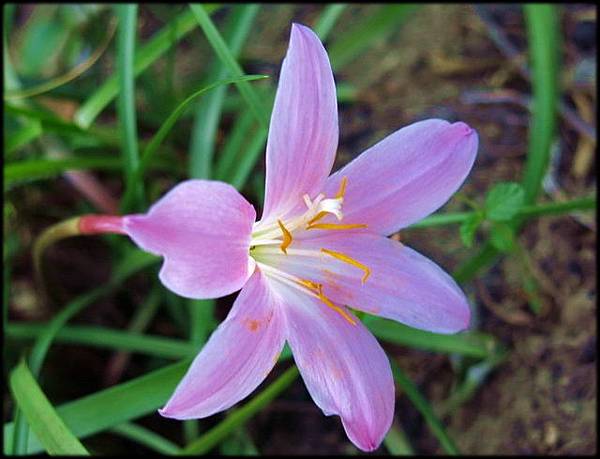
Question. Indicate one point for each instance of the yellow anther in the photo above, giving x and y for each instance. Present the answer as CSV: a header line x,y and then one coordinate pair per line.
x,y
336,226
287,237
351,261
317,217
337,309
342,189
310,284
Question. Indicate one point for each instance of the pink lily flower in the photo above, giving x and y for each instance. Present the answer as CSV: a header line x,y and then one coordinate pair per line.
x,y
319,247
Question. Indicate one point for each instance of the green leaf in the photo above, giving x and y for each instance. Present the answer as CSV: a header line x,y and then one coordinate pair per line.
x,y
126,108
474,344
397,442
158,346
27,133
358,38
468,228
208,114
421,403
504,201
50,429
543,31
107,408
502,237
239,416
147,54
327,20
222,50
146,437
165,128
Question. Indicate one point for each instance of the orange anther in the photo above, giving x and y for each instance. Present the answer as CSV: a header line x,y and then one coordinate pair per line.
x,y
287,237
336,226
342,189
351,261
330,304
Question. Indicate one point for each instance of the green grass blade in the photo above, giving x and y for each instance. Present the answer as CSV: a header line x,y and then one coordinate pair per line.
x,y
397,442
165,128
43,419
105,409
421,403
544,44
244,168
176,30
126,108
239,416
208,114
232,151
222,50
158,346
472,344
26,134
146,437
327,20
174,116
469,269
35,169
355,40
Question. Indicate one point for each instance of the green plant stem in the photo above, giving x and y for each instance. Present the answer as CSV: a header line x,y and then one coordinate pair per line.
x,y
328,18
240,415
224,53
535,210
413,393
126,104
146,437
543,34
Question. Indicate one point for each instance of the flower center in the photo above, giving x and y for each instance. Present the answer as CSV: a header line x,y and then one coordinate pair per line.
x,y
275,239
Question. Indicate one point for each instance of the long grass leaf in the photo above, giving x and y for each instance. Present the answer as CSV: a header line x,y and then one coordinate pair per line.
x,y
208,114
356,39
146,437
106,408
158,346
126,107
239,416
146,55
544,44
222,50
472,344
41,416
421,403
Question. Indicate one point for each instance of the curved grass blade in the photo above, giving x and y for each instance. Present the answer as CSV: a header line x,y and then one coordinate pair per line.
x,y
328,18
397,442
220,47
355,40
105,409
208,114
146,437
67,77
177,29
421,403
152,147
472,344
240,415
43,419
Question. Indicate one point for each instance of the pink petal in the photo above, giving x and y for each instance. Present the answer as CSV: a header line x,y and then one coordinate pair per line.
x,y
407,175
202,228
236,359
303,134
344,368
403,285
